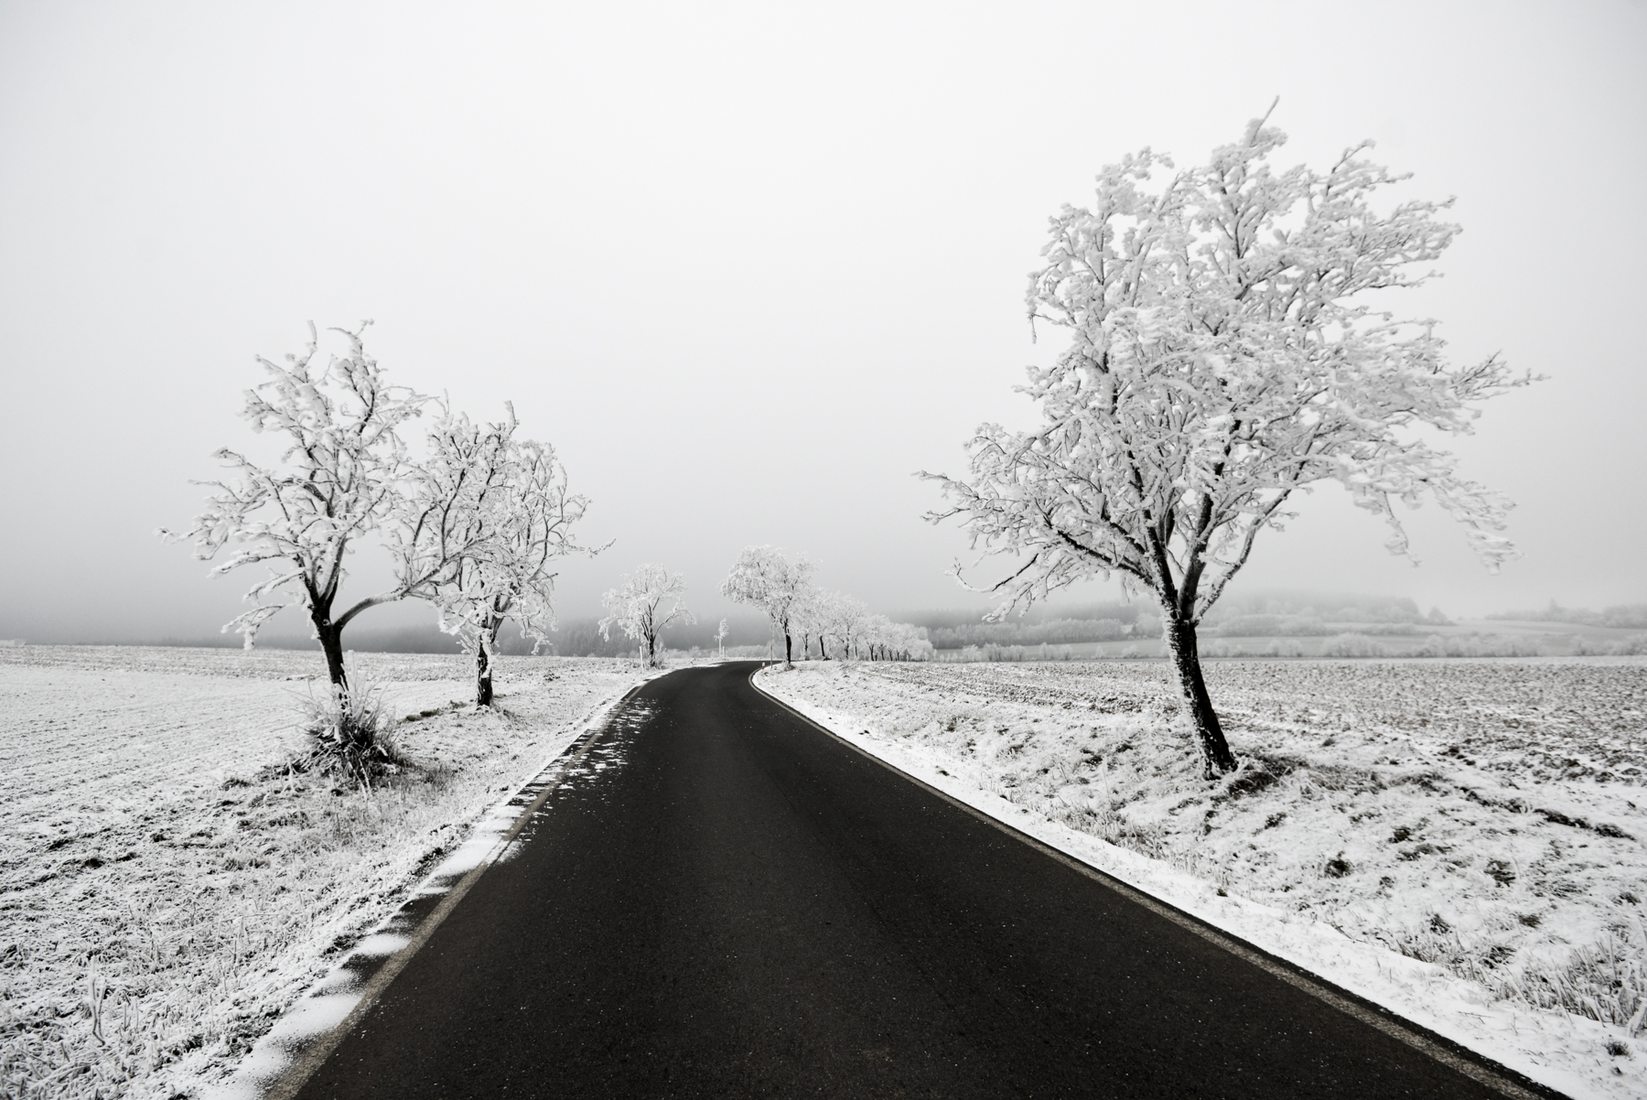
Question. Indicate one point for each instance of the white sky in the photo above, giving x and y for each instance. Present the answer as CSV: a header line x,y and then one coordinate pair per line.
x,y
749,265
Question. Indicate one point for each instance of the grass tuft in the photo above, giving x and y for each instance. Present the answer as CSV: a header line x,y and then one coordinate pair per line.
x,y
350,736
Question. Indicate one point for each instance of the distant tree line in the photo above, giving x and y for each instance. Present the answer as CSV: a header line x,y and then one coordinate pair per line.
x,y
1260,615
1330,607
1631,616
843,626
1052,631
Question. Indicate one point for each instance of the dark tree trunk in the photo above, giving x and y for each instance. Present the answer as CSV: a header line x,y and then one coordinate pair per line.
x,y
788,651
496,615
823,654
331,644
483,659
483,677
1186,661
651,651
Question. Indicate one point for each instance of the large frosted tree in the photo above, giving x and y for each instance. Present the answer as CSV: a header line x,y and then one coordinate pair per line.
x,y
843,618
1230,343
340,477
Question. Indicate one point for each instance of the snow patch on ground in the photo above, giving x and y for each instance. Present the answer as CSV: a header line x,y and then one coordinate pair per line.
x,y
1461,842
380,943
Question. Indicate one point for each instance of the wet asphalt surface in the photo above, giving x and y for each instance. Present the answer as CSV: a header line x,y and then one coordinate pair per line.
x,y
727,902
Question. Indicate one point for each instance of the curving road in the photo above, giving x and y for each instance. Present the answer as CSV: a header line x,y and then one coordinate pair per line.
x,y
741,905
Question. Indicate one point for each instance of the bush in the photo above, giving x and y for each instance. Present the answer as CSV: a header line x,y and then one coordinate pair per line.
x,y
350,735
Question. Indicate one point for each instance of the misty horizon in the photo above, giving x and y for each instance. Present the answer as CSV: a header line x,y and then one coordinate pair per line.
x,y
416,630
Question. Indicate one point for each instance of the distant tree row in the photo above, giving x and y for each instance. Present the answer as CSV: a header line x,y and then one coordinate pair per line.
x,y
765,577
653,599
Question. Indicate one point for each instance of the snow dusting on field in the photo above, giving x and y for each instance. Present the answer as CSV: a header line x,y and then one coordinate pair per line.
x,y
1461,841
167,888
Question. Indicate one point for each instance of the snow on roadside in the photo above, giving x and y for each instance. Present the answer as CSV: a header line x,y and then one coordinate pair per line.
x,y
1461,842
163,897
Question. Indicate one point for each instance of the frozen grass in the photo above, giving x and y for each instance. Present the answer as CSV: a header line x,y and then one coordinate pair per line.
x,y
168,885
1486,817
350,734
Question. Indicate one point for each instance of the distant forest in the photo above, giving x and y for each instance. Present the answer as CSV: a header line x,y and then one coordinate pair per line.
x,y
1631,616
1260,615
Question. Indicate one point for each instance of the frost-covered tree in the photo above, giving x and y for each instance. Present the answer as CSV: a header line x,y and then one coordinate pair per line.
x,y
341,478
514,508
877,631
804,616
649,599
720,640
910,643
1229,345
843,618
765,577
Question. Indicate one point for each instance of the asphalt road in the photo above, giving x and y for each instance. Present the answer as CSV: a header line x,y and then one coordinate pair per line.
x,y
740,905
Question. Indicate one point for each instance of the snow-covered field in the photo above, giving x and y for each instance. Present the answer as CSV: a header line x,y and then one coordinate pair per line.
x,y
1462,841
165,891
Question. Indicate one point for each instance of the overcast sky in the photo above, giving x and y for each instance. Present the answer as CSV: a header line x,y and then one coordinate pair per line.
x,y
750,265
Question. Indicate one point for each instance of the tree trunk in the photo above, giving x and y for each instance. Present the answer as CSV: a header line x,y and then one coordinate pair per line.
x,y
483,676
788,651
651,651
1186,660
823,654
488,641
331,644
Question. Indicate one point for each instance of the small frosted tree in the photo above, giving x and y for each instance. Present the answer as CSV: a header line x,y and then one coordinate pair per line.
x,y
843,618
909,643
804,616
514,509
1228,346
765,577
720,640
340,479
649,599
877,629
